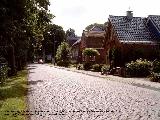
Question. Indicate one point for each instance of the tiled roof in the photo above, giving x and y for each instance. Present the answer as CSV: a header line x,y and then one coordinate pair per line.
x,y
156,20
72,40
95,34
77,42
134,29
96,28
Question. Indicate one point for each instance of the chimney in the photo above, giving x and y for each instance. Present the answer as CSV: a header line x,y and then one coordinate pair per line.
x,y
129,14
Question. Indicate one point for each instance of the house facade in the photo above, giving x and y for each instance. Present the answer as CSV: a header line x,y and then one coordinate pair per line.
x,y
76,54
129,38
94,38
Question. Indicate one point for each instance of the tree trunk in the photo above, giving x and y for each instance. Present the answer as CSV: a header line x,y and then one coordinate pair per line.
x,y
12,63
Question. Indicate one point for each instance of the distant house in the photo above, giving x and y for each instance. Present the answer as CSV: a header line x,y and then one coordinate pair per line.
x,y
75,51
132,37
71,38
94,38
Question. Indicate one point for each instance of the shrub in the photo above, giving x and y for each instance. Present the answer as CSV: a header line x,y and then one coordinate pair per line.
x,y
80,66
104,69
90,52
155,77
97,67
63,63
87,65
139,68
156,66
3,70
62,55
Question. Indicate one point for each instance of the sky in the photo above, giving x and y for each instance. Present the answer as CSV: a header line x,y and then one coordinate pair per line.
x,y
77,14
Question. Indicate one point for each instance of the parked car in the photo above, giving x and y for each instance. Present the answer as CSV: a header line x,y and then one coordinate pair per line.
x,y
40,61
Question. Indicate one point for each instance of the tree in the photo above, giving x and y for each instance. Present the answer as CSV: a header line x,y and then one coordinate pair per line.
x,y
101,26
70,33
53,36
89,53
22,23
63,54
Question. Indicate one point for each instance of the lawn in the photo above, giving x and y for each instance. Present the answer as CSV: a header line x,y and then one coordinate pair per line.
x,y
13,97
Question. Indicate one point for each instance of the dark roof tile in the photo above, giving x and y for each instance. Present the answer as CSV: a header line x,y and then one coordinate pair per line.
x,y
134,29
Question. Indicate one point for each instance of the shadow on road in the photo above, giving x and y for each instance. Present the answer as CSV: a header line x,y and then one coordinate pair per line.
x,y
34,82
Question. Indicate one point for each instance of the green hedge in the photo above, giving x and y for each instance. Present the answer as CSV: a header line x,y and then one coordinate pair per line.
x,y
63,63
80,67
3,72
87,65
97,67
139,68
105,69
156,66
155,77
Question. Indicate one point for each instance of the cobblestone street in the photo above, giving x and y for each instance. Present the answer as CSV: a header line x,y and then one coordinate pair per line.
x,y
59,94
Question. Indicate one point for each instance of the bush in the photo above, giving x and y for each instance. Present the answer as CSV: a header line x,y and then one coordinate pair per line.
x,y
97,67
87,65
104,69
139,68
3,69
155,77
62,55
80,66
63,63
156,66
90,52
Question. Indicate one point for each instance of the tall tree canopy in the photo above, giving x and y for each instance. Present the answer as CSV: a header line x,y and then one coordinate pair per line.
x,y
53,36
22,23
102,26
70,32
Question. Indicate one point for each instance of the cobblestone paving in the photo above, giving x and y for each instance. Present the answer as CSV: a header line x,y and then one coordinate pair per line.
x,y
57,94
141,82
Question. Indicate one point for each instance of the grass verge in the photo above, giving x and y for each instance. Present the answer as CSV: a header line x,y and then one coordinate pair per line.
x,y
13,96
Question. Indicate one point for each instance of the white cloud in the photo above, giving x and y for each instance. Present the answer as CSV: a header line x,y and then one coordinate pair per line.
x,y
77,14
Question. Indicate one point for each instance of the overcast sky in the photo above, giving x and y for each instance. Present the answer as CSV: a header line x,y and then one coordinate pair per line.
x,y
77,14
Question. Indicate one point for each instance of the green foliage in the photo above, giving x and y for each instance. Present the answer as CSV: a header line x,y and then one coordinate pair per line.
x,y
156,66
22,25
139,68
90,52
115,56
70,32
97,67
104,69
87,65
80,66
53,36
13,97
102,26
63,54
3,70
63,63
155,77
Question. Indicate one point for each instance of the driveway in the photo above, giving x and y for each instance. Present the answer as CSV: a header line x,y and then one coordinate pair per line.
x,y
59,94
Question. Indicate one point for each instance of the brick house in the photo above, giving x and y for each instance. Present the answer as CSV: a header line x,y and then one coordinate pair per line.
x,y
94,38
132,37
75,51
